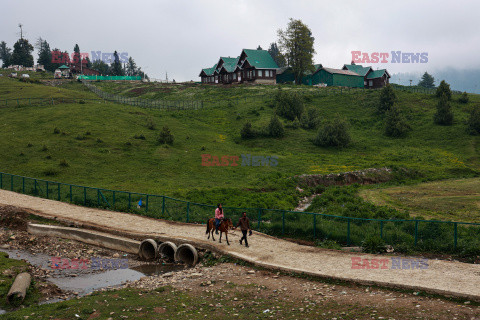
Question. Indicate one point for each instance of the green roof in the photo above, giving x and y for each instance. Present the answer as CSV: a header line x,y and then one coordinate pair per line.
x,y
230,63
376,74
358,69
63,67
260,59
209,71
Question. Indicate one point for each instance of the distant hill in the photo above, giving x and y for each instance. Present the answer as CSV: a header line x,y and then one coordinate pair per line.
x,y
462,80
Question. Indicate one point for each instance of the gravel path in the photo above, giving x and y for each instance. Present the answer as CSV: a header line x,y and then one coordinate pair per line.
x,y
445,277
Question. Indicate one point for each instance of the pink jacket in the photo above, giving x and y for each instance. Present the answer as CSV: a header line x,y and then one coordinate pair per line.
x,y
218,214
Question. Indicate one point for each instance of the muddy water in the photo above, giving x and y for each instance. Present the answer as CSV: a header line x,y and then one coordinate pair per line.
x,y
86,281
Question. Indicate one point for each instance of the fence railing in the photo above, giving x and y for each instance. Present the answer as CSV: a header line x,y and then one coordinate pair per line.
x,y
145,103
425,234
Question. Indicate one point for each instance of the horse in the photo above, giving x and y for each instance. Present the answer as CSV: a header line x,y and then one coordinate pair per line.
x,y
225,224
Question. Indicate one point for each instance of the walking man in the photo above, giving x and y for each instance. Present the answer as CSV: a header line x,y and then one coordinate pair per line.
x,y
244,224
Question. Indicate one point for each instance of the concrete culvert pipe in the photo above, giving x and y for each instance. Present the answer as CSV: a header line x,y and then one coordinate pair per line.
x,y
148,250
167,250
18,291
187,254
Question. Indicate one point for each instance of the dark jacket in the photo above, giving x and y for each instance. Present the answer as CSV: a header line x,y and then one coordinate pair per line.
x,y
244,224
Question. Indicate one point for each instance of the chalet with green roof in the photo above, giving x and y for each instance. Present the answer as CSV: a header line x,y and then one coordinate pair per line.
x,y
253,66
337,77
372,78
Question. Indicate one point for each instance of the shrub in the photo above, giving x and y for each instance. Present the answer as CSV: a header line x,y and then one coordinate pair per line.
x,y
56,130
444,114
310,119
373,244
151,124
275,128
473,122
165,137
387,99
99,140
295,124
247,131
288,105
44,148
139,137
64,163
444,89
50,172
29,145
333,133
81,101
395,123
463,98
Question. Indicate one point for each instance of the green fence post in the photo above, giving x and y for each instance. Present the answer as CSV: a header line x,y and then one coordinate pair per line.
x,y
455,234
348,232
23,184
98,197
146,204
1,180
188,212
11,182
35,183
283,222
71,196
46,183
381,229
163,205
259,218
84,196
113,205
314,226
416,232
58,198
129,200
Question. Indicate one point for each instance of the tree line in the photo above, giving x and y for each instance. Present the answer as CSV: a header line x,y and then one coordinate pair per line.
x,y
53,59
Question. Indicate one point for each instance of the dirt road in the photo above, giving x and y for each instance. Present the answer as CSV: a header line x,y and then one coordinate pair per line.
x,y
442,277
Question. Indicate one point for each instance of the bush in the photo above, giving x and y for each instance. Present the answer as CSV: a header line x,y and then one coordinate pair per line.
x,y
151,124
395,123
81,101
247,131
333,133
387,99
275,128
444,89
373,244
310,119
295,124
288,105
56,130
50,172
444,114
165,137
463,98
139,137
473,122
64,163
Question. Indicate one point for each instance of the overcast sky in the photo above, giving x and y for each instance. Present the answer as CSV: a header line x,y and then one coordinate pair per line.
x,y
184,36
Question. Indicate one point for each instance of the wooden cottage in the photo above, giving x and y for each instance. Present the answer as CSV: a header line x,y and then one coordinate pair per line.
x,y
256,66
372,78
207,75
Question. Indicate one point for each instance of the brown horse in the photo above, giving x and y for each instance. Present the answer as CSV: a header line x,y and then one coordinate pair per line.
x,y
225,224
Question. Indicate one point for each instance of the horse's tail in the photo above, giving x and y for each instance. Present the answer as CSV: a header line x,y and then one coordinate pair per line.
x,y
208,226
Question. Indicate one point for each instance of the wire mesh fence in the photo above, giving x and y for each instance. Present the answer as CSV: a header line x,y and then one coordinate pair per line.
x,y
427,235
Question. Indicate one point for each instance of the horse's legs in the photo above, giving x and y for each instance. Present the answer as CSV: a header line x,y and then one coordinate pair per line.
x,y
220,241
226,237
208,231
213,232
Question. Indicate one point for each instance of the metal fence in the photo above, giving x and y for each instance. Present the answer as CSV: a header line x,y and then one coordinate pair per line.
x,y
427,235
144,103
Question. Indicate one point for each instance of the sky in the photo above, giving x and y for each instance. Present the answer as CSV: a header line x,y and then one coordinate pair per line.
x,y
183,36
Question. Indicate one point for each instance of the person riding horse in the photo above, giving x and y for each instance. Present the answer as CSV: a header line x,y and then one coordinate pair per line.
x,y
218,216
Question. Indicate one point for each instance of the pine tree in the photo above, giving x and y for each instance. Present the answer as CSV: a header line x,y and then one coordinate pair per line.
x,y
116,66
132,69
444,114
444,89
5,54
275,128
395,123
259,47
276,55
427,81
44,54
296,42
473,123
387,99
22,53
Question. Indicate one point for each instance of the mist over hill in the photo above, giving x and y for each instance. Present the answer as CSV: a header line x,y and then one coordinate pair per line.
x,y
462,80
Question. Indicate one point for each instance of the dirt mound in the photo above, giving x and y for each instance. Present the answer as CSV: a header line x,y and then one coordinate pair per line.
x,y
13,218
367,176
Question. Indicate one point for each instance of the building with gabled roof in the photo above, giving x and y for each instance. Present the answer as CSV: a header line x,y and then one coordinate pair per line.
x,y
372,78
255,66
337,77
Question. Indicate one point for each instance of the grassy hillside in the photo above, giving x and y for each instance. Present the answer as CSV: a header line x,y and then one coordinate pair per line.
x,y
98,144
457,200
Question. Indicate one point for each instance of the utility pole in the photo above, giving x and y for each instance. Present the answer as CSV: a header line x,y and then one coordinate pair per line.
x,y
21,31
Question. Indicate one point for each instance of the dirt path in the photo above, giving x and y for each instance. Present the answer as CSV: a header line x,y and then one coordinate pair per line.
x,y
445,277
